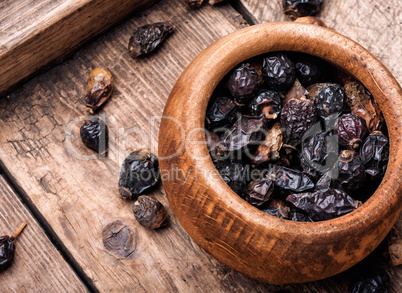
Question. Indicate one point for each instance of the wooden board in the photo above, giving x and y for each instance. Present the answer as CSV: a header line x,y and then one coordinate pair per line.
x,y
37,266
34,33
77,193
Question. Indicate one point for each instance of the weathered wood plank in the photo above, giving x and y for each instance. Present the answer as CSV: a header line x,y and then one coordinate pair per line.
x,y
37,266
34,33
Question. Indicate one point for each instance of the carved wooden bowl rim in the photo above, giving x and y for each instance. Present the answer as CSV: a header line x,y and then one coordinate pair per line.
x,y
188,102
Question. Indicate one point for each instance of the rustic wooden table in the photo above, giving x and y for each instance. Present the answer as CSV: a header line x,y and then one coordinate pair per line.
x,y
81,236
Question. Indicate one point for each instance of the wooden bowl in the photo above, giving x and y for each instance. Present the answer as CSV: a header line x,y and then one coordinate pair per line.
x,y
239,235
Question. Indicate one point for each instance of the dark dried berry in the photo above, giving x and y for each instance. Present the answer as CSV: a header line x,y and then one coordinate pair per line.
x,y
233,173
299,8
95,135
319,153
221,113
328,181
395,247
278,71
7,248
99,88
351,130
139,173
243,83
363,104
310,70
193,4
313,89
374,154
279,212
146,38
350,170
267,103
212,140
149,212
288,179
269,149
324,204
247,130
330,101
373,281
298,216
297,117
259,191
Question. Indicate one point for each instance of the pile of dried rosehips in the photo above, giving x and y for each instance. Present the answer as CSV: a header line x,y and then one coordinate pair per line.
x,y
297,137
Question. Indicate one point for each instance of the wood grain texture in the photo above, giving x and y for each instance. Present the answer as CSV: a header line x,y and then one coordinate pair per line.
x,y
37,265
34,33
374,25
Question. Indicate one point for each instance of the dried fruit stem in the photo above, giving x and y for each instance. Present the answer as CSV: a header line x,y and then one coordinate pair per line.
x,y
22,226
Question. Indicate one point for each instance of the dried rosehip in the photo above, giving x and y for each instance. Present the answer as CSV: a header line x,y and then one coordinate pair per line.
x,y
278,71
139,173
7,248
324,204
149,212
267,103
299,8
288,179
328,181
243,83
363,104
193,4
247,130
297,91
313,89
319,153
233,173
310,70
95,135
351,130
221,113
373,281
269,149
259,191
297,117
395,247
148,37
99,88
374,155
279,212
350,170
330,101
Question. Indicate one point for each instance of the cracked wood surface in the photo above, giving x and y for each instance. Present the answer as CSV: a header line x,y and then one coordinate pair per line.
x,y
77,193
37,266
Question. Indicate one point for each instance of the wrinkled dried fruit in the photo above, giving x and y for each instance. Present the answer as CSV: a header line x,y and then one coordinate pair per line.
x,y
193,4
279,212
313,89
373,281
278,71
99,88
298,8
7,248
259,191
374,154
267,103
299,216
243,83
221,112
310,70
330,101
233,173
139,173
289,179
324,204
247,130
328,181
95,135
297,91
212,140
362,103
395,247
269,149
319,153
351,130
149,212
350,170
297,117
311,20
148,37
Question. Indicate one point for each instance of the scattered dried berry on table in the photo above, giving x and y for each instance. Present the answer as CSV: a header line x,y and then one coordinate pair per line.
x,y
373,281
351,130
193,4
213,2
99,88
149,212
139,173
374,154
278,71
148,37
95,135
243,83
298,8
7,248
